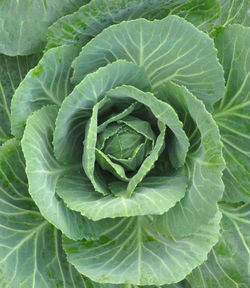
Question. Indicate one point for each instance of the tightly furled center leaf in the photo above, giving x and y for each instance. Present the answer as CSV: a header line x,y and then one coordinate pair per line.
x,y
126,142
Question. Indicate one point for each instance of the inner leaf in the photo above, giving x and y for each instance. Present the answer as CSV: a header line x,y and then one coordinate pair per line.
x,y
123,144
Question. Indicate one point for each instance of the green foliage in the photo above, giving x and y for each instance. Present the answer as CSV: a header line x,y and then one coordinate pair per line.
x,y
124,157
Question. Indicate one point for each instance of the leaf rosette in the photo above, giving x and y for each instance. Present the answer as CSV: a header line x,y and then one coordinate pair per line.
x,y
122,153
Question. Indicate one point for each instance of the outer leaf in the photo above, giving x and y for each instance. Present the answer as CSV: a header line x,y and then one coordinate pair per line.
x,y
24,24
12,72
204,166
168,49
76,109
132,251
91,19
233,111
30,248
201,13
43,171
234,11
154,195
47,83
228,264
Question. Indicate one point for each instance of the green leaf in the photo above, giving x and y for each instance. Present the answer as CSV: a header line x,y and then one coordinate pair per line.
x,y
76,108
107,164
232,113
91,19
12,72
143,170
204,166
124,143
105,134
108,136
132,251
141,127
89,151
30,248
24,24
47,83
234,11
117,116
186,55
201,13
164,113
228,263
149,161
132,163
43,172
154,195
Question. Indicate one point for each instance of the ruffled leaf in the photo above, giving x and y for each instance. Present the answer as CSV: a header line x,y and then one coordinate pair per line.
x,y
132,251
154,195
204,165
168,49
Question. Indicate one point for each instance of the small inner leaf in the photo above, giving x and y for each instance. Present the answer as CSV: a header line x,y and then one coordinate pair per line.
x,y
88,159
123,144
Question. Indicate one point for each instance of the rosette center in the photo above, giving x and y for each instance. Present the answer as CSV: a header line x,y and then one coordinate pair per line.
x,y
125,143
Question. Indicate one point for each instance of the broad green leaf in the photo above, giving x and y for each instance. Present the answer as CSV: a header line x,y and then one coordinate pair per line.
x,y
76,108
132,251
164,113
30,248
168,49
47,83
232,113
204,166
154,195
234,11
12,72
201,13
91,19
228,263
24,24
43,172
